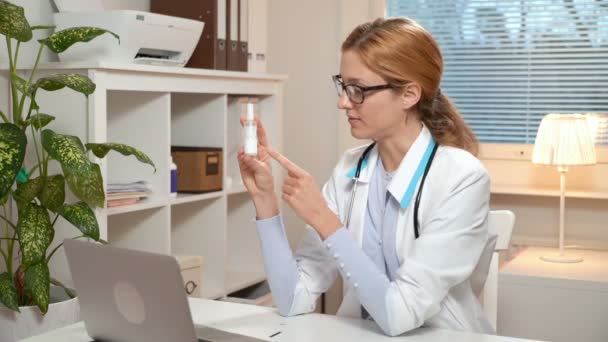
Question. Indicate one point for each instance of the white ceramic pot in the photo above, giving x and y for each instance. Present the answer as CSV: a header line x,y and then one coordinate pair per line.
x,y
62,311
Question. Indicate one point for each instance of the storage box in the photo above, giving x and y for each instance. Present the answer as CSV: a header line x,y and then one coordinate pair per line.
x,y
191,267
199,169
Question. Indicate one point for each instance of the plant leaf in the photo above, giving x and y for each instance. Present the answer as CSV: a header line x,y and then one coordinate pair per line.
x,y
12,152
61,40
8,292
53,193
101,150
35,233
39,120
4,199
13,23
77,82
67,150
87,186
82,217
38,284
27,191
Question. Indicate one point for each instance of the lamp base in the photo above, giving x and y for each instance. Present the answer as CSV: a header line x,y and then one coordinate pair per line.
x,y
564,259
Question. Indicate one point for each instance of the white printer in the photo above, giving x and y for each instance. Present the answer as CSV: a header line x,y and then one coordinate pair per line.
x,y
145,38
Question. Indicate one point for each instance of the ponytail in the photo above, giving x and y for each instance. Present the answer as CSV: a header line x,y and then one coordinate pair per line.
x,y
445,123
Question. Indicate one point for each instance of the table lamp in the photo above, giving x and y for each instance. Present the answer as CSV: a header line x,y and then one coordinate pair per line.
x,y
563,140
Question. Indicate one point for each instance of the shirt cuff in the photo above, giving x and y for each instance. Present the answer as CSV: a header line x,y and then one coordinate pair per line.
x,y
271,229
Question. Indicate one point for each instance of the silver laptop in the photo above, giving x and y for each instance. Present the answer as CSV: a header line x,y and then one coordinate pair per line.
x,y
133,296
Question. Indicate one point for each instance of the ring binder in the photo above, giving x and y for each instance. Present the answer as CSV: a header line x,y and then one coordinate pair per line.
x,y
243,34
233,35
210,52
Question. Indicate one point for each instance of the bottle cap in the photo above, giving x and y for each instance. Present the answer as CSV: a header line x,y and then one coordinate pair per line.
x,y
250,113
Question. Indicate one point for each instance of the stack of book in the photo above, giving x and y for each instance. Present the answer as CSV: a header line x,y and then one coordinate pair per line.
x,y
120,194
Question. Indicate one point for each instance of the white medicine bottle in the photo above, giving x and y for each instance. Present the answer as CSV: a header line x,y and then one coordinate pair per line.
x,y
250,132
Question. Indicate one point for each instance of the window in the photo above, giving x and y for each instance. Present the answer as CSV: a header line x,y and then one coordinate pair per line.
x,y
508,63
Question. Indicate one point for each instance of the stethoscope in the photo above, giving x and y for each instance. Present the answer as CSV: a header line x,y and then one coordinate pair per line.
x,y
416,201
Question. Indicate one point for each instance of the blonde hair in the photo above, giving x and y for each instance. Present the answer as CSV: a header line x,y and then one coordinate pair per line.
x,y
401,51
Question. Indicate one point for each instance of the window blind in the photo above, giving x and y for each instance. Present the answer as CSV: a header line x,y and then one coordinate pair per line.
x,y
508,63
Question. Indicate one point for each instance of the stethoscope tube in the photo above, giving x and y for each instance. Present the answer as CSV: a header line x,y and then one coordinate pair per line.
x,y
357,173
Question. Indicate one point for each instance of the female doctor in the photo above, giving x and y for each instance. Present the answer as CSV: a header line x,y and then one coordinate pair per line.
x,y
403,220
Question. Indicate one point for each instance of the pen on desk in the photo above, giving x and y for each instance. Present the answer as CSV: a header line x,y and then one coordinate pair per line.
x,y
275,334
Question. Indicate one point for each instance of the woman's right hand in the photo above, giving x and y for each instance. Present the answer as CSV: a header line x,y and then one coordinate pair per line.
x,y
256,173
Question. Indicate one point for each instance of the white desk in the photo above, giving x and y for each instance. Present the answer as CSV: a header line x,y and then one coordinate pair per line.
x,y
552,301
261,322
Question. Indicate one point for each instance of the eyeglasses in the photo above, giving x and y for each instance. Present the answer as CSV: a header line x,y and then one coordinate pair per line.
x,y
355,93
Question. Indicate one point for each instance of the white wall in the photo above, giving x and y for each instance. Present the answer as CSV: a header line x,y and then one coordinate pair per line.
x,y
303,41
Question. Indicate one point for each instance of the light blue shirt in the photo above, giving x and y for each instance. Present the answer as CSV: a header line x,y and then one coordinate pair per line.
x,y
376,262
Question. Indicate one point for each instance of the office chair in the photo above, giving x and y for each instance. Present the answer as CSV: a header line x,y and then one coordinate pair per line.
x,y
500,227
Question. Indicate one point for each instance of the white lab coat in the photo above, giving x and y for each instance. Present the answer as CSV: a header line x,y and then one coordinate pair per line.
x,y
433,283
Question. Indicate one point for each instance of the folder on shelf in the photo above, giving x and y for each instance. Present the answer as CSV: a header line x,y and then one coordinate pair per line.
x,y
210,52
256,57
243,34
232,60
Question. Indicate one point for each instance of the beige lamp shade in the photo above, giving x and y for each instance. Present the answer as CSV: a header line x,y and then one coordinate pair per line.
x,y
564,140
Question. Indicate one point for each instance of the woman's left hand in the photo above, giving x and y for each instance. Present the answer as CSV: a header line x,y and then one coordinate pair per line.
x,y
303,195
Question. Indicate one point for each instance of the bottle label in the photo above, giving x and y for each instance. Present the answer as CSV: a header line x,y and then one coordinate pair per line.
x,y
251,140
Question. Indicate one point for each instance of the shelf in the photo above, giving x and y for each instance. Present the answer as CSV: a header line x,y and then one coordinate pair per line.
x,y
188,198
546,192
236,189
134,207
153,108
239,280
143,68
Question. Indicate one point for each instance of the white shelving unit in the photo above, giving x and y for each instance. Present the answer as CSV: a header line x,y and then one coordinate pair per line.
x,y
152,108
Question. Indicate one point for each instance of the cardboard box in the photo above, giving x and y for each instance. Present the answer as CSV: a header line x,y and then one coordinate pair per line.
x,y
199,169
191,267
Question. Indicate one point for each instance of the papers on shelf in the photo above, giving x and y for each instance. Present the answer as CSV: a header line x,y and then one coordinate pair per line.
x,y
119,194
128,187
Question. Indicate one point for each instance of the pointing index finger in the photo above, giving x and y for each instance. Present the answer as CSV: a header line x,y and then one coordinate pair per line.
x,y
290,166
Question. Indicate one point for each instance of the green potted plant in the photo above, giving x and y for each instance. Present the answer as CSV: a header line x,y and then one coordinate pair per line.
x,y
37,197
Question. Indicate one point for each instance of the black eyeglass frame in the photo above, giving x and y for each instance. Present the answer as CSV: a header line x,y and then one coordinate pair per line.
x,y
338,81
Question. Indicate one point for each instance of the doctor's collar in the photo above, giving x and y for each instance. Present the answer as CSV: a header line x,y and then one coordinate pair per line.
x,y
405,181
